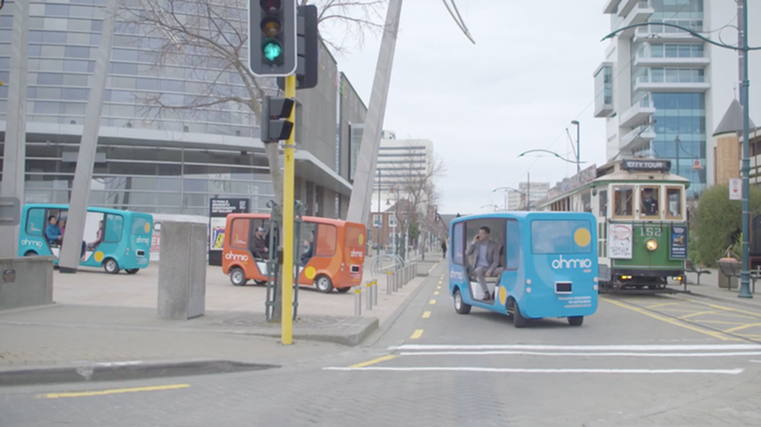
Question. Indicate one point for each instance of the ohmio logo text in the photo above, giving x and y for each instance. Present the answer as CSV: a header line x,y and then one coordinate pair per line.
x,y
355,254
236,257
27,242
561,263
143,240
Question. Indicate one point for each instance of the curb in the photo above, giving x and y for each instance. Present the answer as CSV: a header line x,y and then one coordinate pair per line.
x,y
124,371
391,320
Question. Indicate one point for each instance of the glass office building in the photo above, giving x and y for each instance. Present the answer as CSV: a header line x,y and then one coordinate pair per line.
x,y
163,160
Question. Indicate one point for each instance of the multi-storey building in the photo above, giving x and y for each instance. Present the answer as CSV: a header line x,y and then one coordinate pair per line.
x,y
663,91
161,160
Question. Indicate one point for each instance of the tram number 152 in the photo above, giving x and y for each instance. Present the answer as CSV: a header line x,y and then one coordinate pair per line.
x,y
650,232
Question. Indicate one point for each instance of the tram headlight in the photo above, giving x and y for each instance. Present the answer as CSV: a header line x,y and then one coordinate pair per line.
x,y
651,245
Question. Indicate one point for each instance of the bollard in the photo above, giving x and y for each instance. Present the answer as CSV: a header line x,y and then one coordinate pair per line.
x,y
369,297
389,288
358,301
375,292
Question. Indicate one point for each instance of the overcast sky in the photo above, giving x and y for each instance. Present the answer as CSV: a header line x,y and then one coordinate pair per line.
x,y
519,87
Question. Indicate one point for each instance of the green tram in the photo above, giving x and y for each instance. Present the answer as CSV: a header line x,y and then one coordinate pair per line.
x,y
641,221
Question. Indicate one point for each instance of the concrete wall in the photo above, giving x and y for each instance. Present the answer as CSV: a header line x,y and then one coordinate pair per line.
x,y
32,283
182,271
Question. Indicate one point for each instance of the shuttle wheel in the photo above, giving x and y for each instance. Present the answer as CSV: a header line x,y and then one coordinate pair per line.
x,y
323,283
111,266
518,320
576,320
459,305
132,270
343,290
238,277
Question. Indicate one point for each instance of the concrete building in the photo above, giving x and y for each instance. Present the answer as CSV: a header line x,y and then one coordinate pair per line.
x,y
401,162
658,83
534,191
159,160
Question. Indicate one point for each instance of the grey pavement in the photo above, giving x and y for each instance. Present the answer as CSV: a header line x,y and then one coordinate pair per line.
x,y
709,288
633,362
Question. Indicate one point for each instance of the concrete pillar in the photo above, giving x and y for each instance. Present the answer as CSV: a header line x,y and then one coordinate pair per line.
x,y
71,252
182,271
14,157
359,205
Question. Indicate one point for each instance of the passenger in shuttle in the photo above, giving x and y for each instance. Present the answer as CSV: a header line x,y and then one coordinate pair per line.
x,y
487,259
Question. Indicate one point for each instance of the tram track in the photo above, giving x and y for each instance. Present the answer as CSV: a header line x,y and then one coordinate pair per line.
x,y
704,327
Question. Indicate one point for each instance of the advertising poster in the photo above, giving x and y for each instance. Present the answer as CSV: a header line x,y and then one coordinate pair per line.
x,y
620,241
218,211
679,242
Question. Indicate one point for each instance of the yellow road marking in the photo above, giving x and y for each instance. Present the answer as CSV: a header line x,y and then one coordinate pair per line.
x,y
417,334
436,293
741,327
374,361
112,391
699,313
721,322
721,307
433,301
664,304
675,322
440,282
438,287
426,314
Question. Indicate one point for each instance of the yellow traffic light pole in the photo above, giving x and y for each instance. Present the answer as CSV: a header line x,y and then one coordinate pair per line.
x,y
288,206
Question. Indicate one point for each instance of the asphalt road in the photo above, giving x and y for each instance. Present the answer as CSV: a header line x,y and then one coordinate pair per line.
x,y
637,361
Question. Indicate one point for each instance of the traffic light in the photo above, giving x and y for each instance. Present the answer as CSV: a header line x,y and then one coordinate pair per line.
x,y
306,70
272,37
275,114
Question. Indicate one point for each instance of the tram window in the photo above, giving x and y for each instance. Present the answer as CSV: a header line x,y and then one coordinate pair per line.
x,y
623,200
603,202
649,202
674,200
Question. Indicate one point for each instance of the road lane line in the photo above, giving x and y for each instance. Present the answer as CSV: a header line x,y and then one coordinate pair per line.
x,y
735,371
436,293
566,354
741,327
374,361
432,302
426,314
624,347
417,334
671,321
112,391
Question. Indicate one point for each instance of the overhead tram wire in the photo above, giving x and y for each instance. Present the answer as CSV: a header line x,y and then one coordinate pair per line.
x,y
621,70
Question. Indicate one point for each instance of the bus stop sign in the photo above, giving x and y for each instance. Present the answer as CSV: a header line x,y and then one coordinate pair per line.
x,y
10,211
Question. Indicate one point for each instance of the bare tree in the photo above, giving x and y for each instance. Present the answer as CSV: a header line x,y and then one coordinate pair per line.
x,y
203,43
415,184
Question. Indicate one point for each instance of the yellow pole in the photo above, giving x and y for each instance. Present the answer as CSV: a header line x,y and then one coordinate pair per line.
x,y
288,201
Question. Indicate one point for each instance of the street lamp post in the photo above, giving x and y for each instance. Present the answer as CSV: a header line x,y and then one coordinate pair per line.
x,y
578,145
506,189
743,50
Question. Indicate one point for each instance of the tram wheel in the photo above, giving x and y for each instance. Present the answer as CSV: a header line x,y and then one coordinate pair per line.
x,y
576,320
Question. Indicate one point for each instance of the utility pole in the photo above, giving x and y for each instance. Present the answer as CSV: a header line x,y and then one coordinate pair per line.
x,y
380,223
742,20
578,145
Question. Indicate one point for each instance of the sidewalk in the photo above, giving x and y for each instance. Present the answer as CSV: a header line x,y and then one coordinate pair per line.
x,y
109,321
709,288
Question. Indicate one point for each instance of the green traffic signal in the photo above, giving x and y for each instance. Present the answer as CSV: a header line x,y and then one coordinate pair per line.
x,y
271,49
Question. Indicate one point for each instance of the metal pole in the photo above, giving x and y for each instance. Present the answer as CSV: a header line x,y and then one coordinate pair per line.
x,y
380,225
528,191
288,214
361,194
375,292
358,301
578,145
14,156
71,249
676,141
742,17
389,286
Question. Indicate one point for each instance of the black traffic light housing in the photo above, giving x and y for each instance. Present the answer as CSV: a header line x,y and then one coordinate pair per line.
x,y
306,70
272,37
275,125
